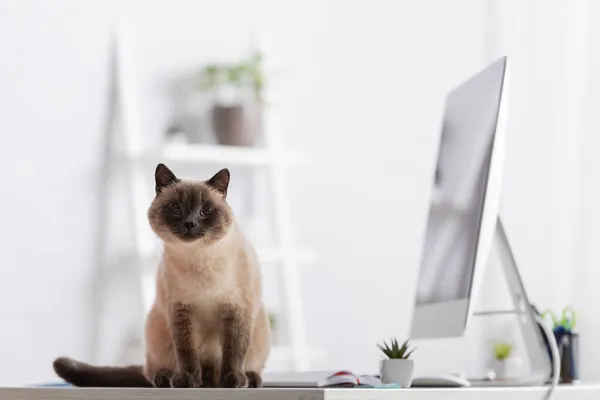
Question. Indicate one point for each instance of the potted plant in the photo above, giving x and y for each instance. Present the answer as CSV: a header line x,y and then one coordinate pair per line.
x,y
505,366
397,367
235,88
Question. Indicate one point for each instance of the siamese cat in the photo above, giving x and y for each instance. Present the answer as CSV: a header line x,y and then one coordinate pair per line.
x,y
208,326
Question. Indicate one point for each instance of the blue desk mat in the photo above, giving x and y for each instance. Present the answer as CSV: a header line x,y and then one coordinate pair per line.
x,y
55,384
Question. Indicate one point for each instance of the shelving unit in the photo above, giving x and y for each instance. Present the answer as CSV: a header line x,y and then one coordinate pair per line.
x,y
270,160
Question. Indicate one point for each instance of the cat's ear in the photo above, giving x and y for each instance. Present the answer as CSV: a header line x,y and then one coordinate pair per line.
x,y
220,181
163,177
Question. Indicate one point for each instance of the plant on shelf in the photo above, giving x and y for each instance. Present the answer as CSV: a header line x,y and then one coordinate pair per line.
x,y
233,87
397,367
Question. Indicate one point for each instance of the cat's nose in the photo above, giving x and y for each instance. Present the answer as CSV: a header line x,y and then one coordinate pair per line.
x,y
189,225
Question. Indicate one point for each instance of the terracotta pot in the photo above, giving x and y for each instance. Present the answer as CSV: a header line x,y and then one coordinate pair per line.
x,y
230,125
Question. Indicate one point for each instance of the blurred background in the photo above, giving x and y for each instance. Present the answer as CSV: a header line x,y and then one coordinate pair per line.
x,y
328,114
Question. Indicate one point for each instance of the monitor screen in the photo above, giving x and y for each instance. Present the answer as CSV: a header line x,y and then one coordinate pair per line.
x,y
458,194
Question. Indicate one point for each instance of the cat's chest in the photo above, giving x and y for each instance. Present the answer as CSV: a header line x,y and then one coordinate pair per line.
x,y
200,284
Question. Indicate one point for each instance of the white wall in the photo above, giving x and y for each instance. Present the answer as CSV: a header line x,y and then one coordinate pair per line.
x,y
363,84
52,93
366,91
585,265
551,46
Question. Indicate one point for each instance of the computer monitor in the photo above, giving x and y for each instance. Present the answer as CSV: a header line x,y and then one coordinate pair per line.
x,y
464,229
464,204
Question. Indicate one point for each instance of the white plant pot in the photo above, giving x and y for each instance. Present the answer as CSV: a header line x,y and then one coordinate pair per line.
x,y
510,368
397,371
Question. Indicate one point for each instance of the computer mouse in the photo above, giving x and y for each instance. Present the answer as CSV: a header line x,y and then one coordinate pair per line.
x,y
441,380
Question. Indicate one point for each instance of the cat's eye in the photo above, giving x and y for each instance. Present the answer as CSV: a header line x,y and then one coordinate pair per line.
x,y
174,209
206,209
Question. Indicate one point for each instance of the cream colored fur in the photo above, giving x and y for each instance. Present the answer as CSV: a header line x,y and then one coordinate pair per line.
x,y
226,272
206,274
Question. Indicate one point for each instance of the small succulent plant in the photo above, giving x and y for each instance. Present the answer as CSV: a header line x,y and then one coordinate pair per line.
x,y
502,351
395,351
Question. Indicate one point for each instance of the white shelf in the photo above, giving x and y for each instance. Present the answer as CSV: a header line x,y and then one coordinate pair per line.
x,y
225,155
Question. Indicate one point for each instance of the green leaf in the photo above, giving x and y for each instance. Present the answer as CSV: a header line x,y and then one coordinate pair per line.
x,y
394,350
246,72
502,351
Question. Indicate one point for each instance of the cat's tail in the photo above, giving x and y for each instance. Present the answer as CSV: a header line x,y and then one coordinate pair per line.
x,y
85,375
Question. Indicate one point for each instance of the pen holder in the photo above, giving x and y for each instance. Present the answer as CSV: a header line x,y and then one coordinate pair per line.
x,y
568,348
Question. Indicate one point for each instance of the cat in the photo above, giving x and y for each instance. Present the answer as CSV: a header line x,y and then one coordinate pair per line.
x,y
208,326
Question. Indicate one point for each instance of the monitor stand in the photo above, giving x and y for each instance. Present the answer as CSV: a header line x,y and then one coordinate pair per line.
x,y
536,335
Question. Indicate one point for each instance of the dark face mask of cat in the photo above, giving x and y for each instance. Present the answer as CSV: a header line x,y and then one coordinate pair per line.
x,y
191,218
190,210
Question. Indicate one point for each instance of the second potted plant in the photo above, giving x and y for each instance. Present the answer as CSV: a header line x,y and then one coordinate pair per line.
x,y
236,90
397,367
505,364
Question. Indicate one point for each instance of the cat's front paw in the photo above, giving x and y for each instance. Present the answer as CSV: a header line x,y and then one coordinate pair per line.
x,y
163,378
186,380
235,380
254,379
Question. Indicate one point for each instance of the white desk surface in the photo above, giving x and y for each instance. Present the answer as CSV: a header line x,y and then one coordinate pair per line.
x,y
577,392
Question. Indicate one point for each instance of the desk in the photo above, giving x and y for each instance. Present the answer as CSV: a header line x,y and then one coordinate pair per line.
x,y
578,392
